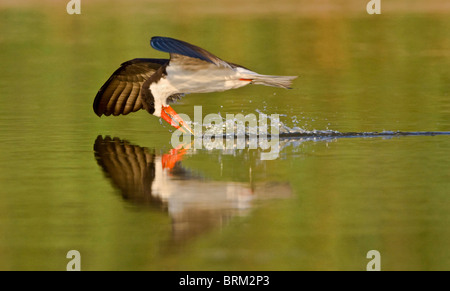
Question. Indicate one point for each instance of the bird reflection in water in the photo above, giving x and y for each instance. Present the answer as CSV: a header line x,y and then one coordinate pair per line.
x,y
194,204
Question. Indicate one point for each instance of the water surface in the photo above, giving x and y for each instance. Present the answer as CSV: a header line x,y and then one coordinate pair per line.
x,y
114,189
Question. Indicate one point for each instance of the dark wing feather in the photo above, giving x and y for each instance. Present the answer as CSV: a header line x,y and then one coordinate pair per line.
x,y
178,47
122,93
131,168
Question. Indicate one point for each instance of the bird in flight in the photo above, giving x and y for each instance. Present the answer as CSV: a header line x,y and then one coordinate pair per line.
x,y
152,84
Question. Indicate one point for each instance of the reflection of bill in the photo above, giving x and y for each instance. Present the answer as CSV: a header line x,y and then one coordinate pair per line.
x,y
195,204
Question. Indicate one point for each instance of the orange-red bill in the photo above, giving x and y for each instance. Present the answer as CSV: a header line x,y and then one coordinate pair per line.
x,y
169,115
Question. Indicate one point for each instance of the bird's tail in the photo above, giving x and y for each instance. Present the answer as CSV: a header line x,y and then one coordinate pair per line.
x,y
274,81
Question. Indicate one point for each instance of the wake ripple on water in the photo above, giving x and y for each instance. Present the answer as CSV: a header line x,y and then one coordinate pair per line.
x,y
285,131
337,134
263,126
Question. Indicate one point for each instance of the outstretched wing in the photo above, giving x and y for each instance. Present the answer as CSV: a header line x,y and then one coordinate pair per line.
x,y
122,93
178,48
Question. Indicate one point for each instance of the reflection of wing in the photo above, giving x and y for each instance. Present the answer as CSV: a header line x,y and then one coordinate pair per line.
x,y
122,93
131,168
194,204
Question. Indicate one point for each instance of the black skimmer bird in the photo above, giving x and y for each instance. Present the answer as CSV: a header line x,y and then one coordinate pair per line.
x,y
152,84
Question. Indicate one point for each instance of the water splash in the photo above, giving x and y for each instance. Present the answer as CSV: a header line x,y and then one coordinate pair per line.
x,y
227,127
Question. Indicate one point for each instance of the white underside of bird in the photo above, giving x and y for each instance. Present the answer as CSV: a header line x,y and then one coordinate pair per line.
x,y
206,78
